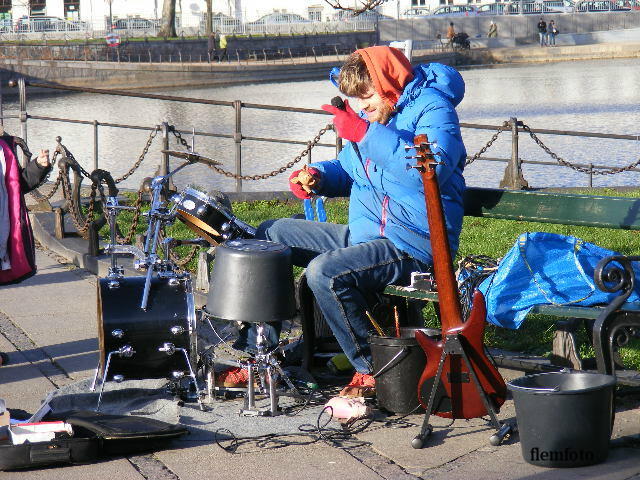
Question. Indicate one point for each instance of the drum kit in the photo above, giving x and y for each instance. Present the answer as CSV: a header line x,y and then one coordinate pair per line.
x,y
148,325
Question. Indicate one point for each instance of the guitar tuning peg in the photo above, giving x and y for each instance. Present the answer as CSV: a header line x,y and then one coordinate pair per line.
x,y
408,147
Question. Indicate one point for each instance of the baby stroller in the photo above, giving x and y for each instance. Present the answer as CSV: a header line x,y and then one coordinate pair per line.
x,y
461,40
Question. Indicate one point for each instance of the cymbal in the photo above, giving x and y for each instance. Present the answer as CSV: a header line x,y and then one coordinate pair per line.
x,y
192,157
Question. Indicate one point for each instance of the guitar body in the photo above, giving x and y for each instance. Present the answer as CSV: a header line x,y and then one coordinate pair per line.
x,y
457,395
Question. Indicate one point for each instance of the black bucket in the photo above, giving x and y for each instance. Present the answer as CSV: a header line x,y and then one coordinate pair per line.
x,y
564,419
398,363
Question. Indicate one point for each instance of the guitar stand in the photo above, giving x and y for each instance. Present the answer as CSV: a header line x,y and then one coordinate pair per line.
x,y
453,346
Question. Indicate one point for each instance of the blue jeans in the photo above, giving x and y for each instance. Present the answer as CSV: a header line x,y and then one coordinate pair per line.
x,y
341,276
543,38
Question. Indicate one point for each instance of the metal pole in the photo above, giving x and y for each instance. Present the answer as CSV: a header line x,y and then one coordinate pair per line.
x,y
22,92
514,153
237,137
590,175
95,144
164,166
513,178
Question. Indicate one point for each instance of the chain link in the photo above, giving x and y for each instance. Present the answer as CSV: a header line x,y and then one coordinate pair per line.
x,y
263,176
563,162
134,222
142,156
495,136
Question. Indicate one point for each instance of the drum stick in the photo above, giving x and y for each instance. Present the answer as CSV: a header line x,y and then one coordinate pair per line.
x,y
396,318
374,323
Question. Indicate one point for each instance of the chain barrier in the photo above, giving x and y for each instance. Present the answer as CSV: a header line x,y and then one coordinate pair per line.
x,y
263,176
495,136
565,163
142,156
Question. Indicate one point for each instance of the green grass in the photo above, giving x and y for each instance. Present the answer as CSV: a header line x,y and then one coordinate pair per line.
x,y
479,236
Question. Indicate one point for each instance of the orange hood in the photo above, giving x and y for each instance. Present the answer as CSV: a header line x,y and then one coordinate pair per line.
x,y
389,69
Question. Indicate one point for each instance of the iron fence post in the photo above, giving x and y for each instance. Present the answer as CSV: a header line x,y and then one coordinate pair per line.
x,y
237,137
590,175
22,92
164,166
95,144
309,155
513,178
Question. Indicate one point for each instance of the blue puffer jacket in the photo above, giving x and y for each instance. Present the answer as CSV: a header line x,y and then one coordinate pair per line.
x,y
386,198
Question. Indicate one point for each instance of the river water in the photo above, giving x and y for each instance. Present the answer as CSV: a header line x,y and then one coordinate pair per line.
x,y
591,96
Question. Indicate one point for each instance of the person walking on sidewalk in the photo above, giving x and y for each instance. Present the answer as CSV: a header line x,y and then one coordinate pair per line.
x,y
552,31
17,246
223,48
387,236
542,32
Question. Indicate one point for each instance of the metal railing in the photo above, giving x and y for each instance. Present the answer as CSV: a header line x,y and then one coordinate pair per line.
x,y
513,177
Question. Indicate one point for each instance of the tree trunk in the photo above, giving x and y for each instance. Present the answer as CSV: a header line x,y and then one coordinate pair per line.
x,y
208,27
168,26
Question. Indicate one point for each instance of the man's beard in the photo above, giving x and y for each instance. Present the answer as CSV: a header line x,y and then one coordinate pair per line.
x,y
384,114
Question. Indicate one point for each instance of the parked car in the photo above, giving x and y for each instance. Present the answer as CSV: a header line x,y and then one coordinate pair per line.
x,y
416,12
44,24
222,22
558,6
368,16
632,4
133,24
275,18
529,8
589,6
455,11
494,9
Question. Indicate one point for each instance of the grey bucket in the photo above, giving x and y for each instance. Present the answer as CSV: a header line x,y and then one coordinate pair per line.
x,y
398,363
564,418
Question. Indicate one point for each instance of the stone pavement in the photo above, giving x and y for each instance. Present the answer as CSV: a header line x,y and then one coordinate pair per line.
x,y
48,328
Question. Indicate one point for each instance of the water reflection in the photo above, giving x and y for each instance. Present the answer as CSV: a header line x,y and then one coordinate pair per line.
x,y
595,96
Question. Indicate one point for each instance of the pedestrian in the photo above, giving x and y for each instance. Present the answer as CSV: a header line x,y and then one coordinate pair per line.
x,y
212,46
542,32
451,32
17,246
387,235
493,30
223,48
552,31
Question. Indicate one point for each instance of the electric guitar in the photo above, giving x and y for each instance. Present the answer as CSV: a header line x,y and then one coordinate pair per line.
x,y
457,395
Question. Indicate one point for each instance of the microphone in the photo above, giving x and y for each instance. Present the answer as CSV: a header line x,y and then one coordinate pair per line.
x,y
338,102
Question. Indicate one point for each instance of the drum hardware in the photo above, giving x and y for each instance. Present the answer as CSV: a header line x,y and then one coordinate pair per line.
x,y
192,157
117,333
209,218
126,351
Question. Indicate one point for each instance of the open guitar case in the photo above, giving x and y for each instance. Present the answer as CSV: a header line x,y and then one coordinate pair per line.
x,y
95,436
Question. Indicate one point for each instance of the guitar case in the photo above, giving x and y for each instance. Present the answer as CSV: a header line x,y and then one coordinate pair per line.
x,y
95,435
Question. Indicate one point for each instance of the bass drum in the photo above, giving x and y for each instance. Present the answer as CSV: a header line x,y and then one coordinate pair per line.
x,y
170,318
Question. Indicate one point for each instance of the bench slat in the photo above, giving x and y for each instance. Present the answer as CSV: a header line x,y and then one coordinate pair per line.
x,y
559,208
572,311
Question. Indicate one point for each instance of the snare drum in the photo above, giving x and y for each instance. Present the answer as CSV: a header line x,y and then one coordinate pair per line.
x,y
209,219
169,323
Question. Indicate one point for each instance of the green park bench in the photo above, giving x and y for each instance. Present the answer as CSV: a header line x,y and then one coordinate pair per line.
x,y
541,206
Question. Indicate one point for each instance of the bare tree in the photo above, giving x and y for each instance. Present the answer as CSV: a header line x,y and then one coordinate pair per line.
x,y
358,7
168,26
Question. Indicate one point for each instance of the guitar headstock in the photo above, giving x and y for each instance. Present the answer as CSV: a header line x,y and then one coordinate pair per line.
x,y
425,157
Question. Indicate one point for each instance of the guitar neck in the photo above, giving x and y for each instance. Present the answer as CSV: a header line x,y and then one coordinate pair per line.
x,y
450,311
